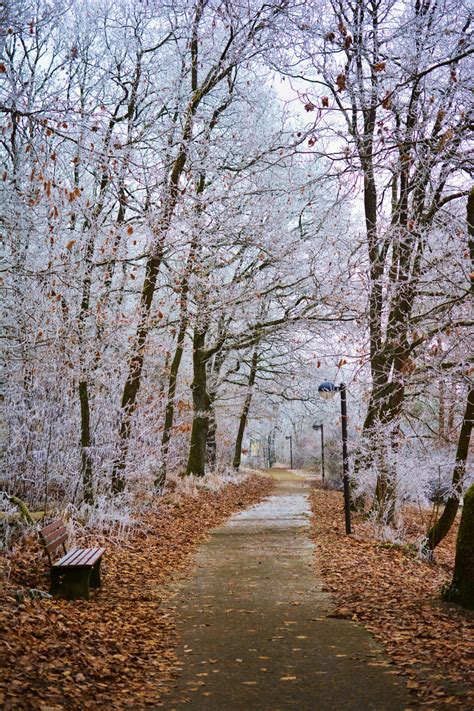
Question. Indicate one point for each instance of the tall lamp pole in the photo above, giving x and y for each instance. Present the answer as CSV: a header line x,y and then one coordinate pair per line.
x,y
291,450
323,471
327,391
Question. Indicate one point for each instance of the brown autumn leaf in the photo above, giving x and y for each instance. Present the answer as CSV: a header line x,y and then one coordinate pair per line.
x,y
70,244
387,101
341,82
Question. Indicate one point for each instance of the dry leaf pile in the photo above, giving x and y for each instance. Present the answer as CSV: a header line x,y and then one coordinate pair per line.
x,y
116,650
396,596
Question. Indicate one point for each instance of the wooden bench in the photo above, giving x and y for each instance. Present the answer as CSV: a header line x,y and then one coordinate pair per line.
x,y
77,569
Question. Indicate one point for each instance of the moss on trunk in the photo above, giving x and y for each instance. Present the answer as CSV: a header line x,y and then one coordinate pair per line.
x,y
461,589
23,509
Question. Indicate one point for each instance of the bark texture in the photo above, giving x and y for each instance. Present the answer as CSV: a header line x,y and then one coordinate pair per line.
x,y
245,410
197,449
462,586
443,525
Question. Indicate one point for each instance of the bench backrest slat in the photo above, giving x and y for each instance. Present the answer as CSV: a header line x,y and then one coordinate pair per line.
x,y
51,527
53,536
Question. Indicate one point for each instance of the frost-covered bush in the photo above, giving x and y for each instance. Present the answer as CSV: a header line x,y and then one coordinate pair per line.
x,y
417,475
9,520
190,485
116,516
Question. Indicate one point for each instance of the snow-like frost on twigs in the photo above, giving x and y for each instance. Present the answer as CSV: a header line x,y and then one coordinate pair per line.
x,y
108,515
9,511
191,485
394,533
415,477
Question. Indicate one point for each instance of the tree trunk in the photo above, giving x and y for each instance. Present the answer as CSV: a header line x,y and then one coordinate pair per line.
x,y
169,409
197,449
462,586
132,384
442,527
175,365
213,384
450,422
90,225
211,440
385,489
442,411
86,460
245,410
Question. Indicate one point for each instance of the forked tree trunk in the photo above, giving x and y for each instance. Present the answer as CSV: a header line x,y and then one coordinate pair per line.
x,y
135,366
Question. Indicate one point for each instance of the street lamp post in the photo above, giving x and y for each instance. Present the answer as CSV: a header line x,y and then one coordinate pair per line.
x,y
327,391
323,472
291,450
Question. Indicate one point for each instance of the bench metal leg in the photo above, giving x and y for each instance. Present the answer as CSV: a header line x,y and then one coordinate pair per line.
x,y
55,581
94,581
76,583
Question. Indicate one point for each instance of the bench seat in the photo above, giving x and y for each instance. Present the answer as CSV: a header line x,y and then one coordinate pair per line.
x,y
80,556
77,570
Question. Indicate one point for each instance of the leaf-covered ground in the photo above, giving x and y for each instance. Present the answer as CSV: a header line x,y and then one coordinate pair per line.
x,y
115,651
397,597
